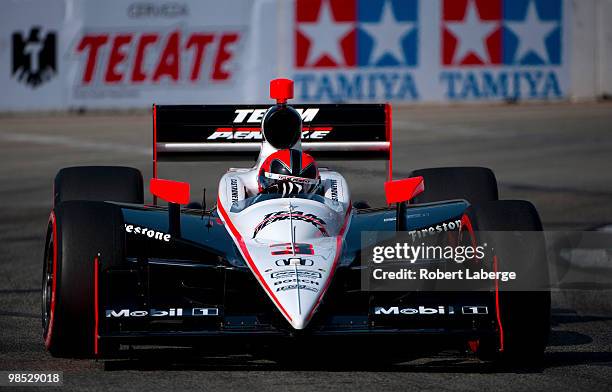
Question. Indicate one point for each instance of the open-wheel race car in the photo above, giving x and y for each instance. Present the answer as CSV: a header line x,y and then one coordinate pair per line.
x,y
278,258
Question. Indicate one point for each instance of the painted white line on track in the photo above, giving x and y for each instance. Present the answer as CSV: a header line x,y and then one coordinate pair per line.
x,y
71,142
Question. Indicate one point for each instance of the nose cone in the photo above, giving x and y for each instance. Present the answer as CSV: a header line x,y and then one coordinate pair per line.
x,y
299,322
298,302
292,264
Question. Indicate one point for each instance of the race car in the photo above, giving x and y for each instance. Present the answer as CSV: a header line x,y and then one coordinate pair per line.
x,y
279,258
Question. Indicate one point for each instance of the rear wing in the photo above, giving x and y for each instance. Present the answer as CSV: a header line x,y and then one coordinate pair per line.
x,y
233,132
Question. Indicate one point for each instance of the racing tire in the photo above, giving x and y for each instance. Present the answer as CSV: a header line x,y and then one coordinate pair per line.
x,y
81,235
99,183
524,316
474,184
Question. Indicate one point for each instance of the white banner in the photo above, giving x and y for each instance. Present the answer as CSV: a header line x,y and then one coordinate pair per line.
x,y
164,52
122,54
31,69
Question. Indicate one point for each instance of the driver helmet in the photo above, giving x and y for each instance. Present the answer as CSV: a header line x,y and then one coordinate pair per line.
x,y
288,172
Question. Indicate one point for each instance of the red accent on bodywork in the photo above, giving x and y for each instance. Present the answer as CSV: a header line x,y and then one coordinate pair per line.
x,y
292,249
248,258
281,90
473,345
389,137
307,128
257,129
96,307
239,129
171,191
403,190
467,223
339,238
497,308
53,287
154,147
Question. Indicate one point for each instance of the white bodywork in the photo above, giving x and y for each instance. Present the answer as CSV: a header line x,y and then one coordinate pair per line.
x,y
292,245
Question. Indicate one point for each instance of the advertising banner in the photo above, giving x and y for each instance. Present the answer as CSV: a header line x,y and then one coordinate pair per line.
x,y
121,54
432,51
60,54
164,52
31,75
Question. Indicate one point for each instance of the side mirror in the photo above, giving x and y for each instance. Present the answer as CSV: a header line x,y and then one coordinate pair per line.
x,y
175,193
171,191
403,190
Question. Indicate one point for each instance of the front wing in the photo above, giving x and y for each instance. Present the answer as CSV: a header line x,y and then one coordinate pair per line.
x,y
195,286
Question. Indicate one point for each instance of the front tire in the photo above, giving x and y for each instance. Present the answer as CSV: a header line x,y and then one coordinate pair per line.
x,y
99,183
79,232
474,184
524,312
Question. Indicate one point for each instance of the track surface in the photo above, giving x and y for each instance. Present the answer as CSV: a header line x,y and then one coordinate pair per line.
x,y
557,156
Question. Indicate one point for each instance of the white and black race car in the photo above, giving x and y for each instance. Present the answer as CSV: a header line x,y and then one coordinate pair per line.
x,y
264,266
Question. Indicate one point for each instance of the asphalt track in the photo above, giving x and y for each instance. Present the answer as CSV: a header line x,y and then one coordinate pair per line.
x,y
558,156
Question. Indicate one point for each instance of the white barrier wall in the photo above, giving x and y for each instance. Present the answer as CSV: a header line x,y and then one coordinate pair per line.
x,y
59,54
604,49
592,49
32,72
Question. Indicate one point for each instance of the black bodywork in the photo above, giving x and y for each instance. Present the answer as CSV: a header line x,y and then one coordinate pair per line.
x,y
201,272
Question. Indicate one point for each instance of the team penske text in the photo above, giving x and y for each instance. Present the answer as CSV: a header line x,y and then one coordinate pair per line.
x,y
255,134
256,115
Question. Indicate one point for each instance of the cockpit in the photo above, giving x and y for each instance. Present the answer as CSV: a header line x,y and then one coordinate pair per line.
x,y
241,205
